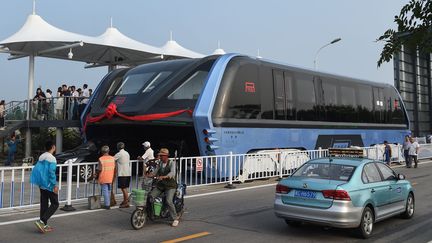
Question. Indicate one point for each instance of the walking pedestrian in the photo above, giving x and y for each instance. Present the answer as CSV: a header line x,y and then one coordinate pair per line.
x,y
413,152
106,170
387,153
44,176
12,148
123,172
406,146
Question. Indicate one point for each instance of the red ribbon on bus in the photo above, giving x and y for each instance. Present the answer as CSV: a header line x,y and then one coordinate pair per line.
x,y
111,111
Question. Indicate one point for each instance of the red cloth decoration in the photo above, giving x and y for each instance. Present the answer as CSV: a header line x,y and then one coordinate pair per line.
x,y
111,111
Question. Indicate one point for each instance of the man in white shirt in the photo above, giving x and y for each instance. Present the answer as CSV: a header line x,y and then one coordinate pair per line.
x,y
148,154
122,159
413,152
85,94
85,99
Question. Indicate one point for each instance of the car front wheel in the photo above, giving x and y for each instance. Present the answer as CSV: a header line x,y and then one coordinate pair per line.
x,y
366,223
409,208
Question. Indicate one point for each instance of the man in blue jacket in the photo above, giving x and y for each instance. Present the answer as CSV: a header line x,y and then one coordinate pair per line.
x,y
44,176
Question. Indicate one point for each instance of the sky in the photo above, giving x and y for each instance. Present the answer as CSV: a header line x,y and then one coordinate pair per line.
x,y
288,31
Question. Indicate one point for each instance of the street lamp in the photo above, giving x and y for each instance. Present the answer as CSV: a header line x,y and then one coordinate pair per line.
x,y
316,55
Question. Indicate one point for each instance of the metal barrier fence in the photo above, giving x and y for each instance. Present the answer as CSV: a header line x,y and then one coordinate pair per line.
x,y
75,182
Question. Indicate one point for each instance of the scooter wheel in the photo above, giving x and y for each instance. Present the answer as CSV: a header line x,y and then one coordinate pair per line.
x,y
138,219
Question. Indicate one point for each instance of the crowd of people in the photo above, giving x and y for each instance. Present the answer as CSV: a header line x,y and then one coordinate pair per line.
x,y
109,169
67,104
410,152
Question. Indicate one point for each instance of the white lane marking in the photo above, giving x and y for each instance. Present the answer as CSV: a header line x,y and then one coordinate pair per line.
x,y
98,210
232,190
55,216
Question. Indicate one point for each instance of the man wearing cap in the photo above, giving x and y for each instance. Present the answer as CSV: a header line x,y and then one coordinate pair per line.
x,y
148,154
166,183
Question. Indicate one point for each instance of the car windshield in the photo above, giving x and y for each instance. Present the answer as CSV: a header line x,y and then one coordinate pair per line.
x,y
327,171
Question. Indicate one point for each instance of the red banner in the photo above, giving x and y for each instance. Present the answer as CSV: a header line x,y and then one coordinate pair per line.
x,y
111,111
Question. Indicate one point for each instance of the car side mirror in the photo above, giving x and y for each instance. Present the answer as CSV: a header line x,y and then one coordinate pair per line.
x,y
401,177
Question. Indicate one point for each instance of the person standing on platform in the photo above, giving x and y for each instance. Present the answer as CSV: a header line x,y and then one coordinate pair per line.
x,y
85,99
2,114
49,111
123,172
44,176
106,169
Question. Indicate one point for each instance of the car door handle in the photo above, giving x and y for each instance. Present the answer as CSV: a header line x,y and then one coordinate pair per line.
x,y
373,190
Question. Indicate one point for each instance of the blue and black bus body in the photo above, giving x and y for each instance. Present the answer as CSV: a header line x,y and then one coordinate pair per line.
x,y
242,104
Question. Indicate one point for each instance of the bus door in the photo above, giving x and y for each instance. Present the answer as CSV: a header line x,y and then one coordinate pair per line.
x,y
283,95
379,102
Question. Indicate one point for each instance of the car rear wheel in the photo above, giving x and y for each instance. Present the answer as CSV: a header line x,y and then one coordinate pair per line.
x,y
366,223
293,223
409,208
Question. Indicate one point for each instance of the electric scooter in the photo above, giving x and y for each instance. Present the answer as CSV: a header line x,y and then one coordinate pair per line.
x,y
151,209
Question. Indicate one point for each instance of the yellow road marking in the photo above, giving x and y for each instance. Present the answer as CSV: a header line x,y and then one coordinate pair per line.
x,y
414,183
189,237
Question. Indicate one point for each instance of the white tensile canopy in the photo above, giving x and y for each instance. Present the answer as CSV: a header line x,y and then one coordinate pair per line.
x,y
219,50
39,38
173,49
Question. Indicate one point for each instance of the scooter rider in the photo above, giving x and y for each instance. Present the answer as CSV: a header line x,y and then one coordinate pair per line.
x,y
166,183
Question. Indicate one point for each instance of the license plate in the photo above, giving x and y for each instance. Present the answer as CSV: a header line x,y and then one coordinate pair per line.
x,y
305,194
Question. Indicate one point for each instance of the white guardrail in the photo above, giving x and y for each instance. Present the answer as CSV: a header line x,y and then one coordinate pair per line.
x,y
16,191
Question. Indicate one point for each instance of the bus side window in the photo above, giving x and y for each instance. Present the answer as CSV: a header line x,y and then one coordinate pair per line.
x,y
306,101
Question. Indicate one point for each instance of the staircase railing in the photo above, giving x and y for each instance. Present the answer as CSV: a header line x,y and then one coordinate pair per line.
x,y
16,110
56,108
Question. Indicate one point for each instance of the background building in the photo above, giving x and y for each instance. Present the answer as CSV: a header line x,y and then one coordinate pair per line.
x,y
413,81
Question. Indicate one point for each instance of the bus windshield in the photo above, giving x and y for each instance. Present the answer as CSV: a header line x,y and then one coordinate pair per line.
x,y
145,78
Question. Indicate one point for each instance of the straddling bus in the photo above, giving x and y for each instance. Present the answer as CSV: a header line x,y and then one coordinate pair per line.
x,y
240,104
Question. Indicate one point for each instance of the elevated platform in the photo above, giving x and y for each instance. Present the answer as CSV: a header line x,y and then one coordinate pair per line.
x,y
18,124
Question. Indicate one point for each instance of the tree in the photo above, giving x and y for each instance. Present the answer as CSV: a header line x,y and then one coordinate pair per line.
x,y
414,30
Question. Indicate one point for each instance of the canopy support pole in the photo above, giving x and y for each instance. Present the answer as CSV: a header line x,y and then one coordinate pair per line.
x,y
29,98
